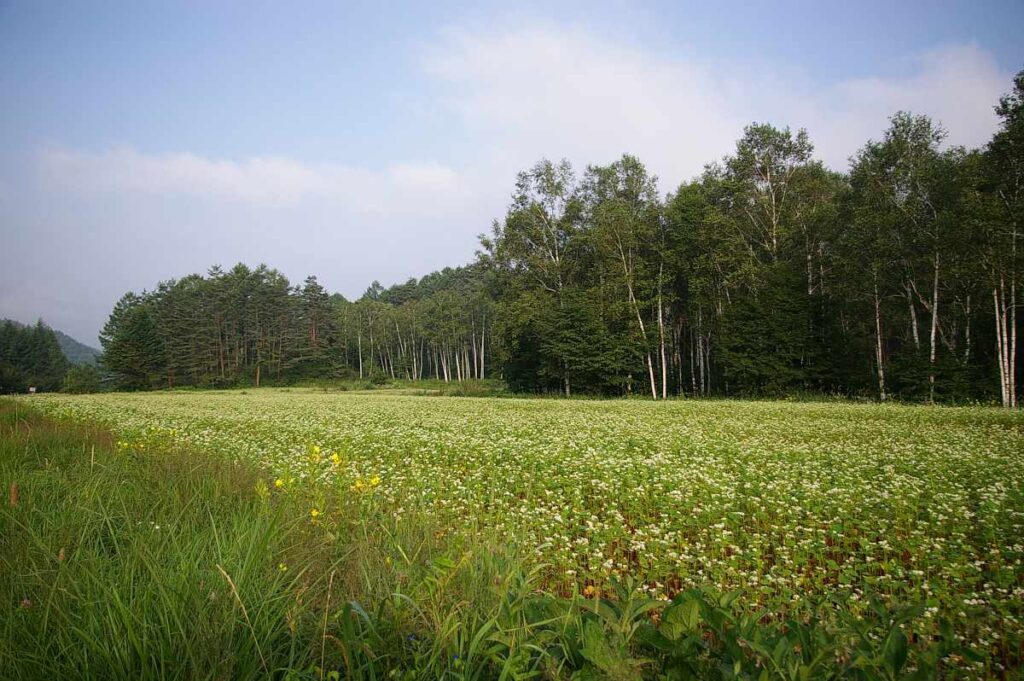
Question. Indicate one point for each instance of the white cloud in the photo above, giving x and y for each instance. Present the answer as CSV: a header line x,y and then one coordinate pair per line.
x,y
430,177
520,94
957,86
400,188
567,93
554,91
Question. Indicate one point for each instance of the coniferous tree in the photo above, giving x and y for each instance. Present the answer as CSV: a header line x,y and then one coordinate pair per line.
x,y
132,347
30,357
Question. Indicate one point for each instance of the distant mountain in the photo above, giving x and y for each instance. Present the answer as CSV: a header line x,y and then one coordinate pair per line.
x,y
77,353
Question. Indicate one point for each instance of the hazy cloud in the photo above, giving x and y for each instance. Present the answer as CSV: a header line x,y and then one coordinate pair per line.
x,y
569,93
555,91
258,181
957,86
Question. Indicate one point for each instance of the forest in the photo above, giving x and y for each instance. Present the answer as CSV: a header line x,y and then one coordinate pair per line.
x,y
767,275
30,356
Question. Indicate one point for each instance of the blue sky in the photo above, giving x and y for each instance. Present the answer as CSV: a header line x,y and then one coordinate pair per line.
x,y
358,141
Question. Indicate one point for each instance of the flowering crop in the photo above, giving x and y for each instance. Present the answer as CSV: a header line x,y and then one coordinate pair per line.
x,y
781,500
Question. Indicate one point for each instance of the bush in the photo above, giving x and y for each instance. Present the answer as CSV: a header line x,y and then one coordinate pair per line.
x,y
82,378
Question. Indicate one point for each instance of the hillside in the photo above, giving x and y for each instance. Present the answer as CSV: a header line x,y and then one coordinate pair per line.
x,y
76,352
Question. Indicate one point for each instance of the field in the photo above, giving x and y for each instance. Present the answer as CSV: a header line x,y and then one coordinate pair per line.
x,y
795,508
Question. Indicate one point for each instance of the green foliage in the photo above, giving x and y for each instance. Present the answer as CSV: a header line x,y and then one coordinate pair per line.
x,y
30,356
132,346
75,352
251,327
83,378
764,341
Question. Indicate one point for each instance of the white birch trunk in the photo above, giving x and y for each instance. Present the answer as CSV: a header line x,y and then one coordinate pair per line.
x,y
693,362
359,346
664,364
1001,346
913,318
934,329
1013,341
879,354
483,328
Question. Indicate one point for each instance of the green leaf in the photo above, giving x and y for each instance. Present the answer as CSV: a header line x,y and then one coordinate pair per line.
x,y
910,613
896,650
681,618
607,656
729,598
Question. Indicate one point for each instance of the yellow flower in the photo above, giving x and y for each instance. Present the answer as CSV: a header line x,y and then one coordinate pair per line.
x,y
279,483
316,449
374,481
314,513
336,458
282,567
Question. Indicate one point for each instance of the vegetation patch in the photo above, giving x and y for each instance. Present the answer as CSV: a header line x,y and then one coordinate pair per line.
x,y
817,535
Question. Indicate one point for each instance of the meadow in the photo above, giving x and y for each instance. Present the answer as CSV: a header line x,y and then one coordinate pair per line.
x,y
907,520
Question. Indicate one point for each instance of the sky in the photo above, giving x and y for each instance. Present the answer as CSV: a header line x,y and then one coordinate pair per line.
x,y
144,141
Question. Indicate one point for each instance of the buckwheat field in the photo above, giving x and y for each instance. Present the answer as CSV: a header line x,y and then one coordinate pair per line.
x,y
785,501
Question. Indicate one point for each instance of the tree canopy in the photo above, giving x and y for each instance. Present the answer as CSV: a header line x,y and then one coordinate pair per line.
x,y
30,357
769,274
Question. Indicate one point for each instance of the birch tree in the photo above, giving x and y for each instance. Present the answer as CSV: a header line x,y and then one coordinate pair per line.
x,y
538,234
624,214
1005,165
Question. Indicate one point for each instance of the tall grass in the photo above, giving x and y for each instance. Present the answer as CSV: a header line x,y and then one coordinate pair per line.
x,y
125,564
117,563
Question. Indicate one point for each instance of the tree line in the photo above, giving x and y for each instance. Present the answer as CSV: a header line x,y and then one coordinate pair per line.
x,y
769,274
250,326
30,356
39,357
